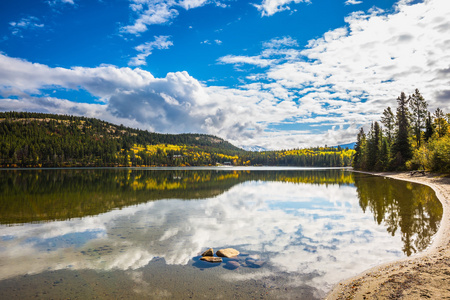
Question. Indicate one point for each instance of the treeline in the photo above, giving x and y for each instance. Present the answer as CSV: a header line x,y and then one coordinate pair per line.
x,y
312,157
47,140
411,139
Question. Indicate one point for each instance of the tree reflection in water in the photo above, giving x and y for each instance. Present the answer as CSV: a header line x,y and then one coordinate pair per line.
x,y
26,196
411,210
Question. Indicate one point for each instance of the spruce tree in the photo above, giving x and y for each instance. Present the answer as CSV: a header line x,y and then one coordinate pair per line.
x,y
373,146
429,128
388,120
402,147
359,157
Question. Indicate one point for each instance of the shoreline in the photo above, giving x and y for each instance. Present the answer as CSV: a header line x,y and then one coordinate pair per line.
x,y
421,276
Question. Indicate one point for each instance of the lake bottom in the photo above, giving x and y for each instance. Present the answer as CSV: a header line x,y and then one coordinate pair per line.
x,y
157,281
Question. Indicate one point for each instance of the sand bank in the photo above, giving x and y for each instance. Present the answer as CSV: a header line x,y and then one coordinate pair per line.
x,y
422,276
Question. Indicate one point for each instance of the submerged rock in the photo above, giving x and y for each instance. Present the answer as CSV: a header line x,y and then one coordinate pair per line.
x,y
253,263
209,252
228,252
232,265
211,259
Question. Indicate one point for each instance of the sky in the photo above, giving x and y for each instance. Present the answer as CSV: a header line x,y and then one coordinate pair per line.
x,y
276,74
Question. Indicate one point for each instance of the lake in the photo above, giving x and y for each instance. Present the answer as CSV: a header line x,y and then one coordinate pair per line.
x,y
139,233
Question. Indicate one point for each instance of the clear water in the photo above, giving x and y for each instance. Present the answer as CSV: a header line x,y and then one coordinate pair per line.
x,y
138,233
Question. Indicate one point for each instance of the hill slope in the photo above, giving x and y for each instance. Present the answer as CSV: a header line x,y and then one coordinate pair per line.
x,y
46,140
35,139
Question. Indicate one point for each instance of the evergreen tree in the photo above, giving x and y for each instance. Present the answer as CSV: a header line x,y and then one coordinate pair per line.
x,y
388,120
373,146
383,157
418,107
429,129
359,157
440,123
402,147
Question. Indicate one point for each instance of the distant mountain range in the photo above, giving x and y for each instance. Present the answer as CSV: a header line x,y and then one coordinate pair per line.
x,y
254,148
349,146
262,149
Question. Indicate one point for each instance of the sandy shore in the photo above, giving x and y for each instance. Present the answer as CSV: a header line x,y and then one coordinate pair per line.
x,y
422,276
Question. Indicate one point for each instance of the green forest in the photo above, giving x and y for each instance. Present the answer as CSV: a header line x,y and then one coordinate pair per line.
x,y
412,138
48,140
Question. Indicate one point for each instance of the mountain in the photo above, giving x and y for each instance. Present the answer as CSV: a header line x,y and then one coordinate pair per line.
x,y
254,148
349,146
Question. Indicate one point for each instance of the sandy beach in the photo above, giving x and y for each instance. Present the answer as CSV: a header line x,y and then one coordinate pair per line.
x,y
422,276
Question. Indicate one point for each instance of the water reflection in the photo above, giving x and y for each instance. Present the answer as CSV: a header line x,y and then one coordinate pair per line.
x,y
406,209
307,226
39,195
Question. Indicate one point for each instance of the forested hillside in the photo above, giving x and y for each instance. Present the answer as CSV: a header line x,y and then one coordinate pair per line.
x,y
411,138
47,140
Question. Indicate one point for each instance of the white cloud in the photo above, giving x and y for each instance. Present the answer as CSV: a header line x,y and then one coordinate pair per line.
x,y
208,42
27,23
350,74
151,12
286,41
249,60
274,51
189,4
323,93
270,7
146,49
352,2
56,2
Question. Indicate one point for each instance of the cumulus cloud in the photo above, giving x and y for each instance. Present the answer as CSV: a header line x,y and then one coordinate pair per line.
x,y
270,7
296,95
350,74
176,103
146,49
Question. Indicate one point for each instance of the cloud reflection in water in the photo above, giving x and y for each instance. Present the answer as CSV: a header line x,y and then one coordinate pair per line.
x,y
313,234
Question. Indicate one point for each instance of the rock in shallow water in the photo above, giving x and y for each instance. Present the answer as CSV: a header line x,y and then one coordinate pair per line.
x,y
209,252
252,263
228,252
211,259
232,265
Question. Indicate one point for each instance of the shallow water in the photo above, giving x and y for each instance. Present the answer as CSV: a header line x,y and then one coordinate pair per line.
x,y
138,233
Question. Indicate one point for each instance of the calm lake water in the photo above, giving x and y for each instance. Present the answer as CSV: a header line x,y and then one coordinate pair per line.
x,y
138,233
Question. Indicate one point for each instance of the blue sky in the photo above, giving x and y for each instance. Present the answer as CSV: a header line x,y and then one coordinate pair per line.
x,y
269,73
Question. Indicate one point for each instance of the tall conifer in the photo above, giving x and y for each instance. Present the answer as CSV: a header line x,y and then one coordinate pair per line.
x,y
418,107
402,147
